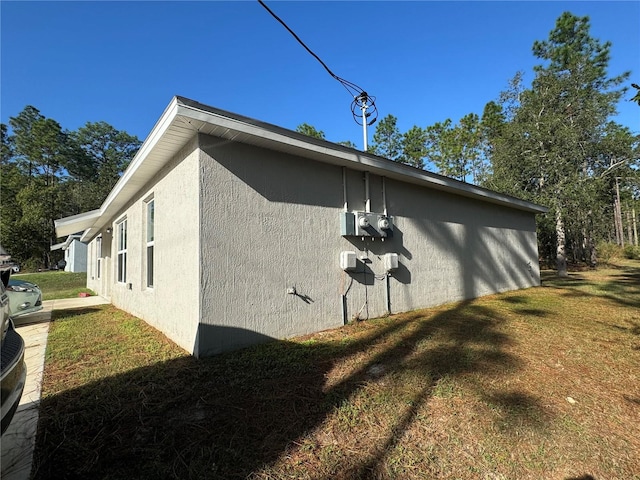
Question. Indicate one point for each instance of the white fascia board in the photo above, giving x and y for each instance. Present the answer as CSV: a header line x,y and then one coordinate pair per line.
x,y
332,153
240,126
70,240
275,138
161,126
76,223
159,129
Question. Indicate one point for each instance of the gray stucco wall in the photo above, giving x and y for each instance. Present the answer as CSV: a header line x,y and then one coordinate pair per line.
x,y
172,305
264,216
270,221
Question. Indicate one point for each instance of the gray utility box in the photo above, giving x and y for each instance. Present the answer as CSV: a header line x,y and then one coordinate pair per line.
x,y
365,224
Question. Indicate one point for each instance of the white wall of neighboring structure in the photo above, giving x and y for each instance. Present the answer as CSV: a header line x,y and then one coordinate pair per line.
x,y
270,222
75,254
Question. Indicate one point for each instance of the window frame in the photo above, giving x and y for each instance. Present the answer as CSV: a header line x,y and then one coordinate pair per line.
x,y
121,250
150,242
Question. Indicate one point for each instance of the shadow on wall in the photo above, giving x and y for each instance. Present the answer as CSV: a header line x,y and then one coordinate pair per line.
x,y
288,179
378,248
487,262
235,414
479,236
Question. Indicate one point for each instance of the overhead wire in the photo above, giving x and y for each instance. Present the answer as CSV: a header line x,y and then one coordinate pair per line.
x,y
361,99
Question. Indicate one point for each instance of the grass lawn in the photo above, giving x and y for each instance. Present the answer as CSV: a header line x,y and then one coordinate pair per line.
x,y
542,383
57,284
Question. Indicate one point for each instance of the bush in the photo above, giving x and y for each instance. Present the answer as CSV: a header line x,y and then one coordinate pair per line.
x,y
631,252
30,265
608,251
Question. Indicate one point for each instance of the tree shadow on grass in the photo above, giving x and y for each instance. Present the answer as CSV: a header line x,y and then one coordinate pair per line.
x,y
622,289
518,408
231,415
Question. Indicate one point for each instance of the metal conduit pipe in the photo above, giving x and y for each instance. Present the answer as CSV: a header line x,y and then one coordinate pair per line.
x,y
384,195
367,207
344,188
387,290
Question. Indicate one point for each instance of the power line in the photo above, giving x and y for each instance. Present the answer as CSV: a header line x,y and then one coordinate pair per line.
x,y
361,100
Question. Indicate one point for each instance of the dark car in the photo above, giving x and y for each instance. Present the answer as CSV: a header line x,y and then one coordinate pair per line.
x,y
13,371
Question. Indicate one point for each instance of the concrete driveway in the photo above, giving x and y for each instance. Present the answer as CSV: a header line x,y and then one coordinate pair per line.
x,y
19,439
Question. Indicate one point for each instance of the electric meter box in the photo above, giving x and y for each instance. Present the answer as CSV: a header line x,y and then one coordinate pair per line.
x,y
365,224
390,261
347,224
369,224
348,261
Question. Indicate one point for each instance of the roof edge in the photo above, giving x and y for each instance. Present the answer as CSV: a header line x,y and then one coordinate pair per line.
x,y
76,223
275,137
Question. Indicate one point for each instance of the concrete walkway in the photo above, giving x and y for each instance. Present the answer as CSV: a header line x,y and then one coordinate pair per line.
x,y
19,439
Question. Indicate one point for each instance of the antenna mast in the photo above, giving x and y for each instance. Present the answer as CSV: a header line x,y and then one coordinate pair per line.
x,y
364,102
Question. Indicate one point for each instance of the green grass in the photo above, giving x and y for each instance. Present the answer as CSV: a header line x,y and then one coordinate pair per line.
x,y
477,389
58,284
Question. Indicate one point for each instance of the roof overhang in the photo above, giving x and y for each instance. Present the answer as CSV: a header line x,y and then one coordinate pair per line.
x,y
184,118
65,245
76,223
57,246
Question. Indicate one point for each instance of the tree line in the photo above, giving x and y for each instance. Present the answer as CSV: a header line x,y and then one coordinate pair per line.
x,y
552,143
47,173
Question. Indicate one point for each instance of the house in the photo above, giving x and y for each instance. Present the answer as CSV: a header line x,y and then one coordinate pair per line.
x,y
75,253
225,231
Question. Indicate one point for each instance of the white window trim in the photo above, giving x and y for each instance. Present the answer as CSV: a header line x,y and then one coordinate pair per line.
x,y
121,253
149,243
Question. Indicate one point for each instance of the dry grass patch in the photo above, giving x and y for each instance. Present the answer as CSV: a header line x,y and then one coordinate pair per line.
x,y
540,383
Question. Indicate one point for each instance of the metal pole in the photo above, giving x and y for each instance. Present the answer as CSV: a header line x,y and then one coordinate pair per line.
x,y
364,122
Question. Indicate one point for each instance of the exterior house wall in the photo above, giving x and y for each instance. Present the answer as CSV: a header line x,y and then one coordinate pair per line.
x,y
171,305
93,281
270,222
99,260
247,237
454,248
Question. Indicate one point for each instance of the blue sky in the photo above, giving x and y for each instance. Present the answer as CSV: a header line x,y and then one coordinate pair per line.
x,y
122,62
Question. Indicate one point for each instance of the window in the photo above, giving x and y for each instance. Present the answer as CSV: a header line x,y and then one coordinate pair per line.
x,y
150,241
121,232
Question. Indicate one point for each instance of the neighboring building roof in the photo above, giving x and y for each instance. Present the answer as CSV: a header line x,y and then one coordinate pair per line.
x,y
64,245
184,118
